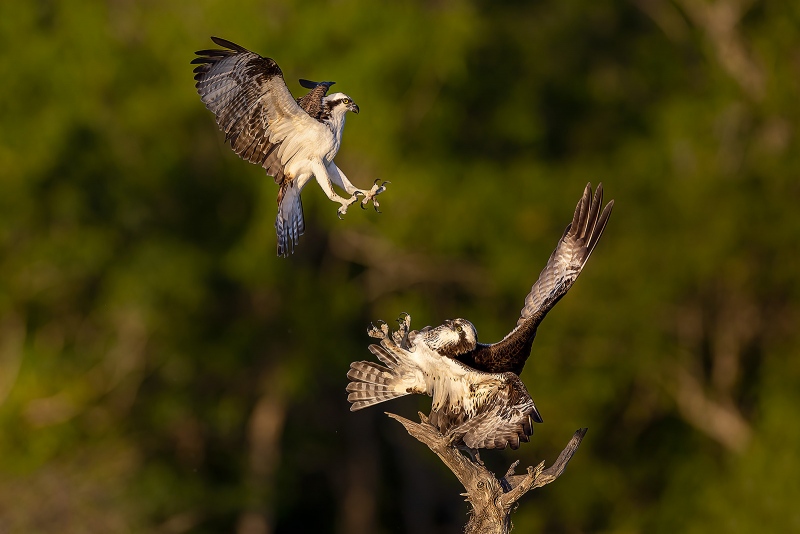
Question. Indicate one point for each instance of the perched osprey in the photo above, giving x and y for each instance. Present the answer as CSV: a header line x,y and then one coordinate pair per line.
x,y
477,409
294,141
478,398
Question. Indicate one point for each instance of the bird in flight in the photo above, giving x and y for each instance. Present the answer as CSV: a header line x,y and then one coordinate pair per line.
x,y
479,400
294,140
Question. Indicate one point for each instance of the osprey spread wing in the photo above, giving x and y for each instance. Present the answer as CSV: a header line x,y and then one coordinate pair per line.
x,y
561,271
294,141
477,409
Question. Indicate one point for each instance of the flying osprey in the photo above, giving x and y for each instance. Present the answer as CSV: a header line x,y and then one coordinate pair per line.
x,y
478,398
294,140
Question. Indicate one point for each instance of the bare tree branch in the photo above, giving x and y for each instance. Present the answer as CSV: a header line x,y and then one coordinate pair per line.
x,y
492,499
719,21
707,399
717,418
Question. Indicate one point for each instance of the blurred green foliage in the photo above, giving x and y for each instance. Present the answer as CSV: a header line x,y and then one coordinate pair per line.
x,y
161,370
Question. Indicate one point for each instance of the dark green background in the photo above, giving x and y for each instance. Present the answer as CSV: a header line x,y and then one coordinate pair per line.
x,y
161,370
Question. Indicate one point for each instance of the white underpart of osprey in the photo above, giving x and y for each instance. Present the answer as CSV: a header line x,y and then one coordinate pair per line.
x,y
325,142
453,386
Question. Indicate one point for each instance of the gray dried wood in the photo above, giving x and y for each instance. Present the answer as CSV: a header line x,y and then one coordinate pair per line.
x,y
492,499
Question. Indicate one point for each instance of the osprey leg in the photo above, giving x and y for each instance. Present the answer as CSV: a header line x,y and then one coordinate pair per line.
x,y
324,181
339,178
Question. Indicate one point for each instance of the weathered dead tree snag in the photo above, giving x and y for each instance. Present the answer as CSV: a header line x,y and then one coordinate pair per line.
x,y
492,499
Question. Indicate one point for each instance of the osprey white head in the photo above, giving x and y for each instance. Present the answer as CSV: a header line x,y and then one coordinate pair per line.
x,y
339,103
453,338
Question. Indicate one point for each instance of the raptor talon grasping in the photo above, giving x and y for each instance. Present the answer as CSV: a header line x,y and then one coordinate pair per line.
x,y
378,332
373,193
400,336
405,323
347,203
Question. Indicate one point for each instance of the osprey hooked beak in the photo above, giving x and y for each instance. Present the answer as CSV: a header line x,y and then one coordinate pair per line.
x,y
352,106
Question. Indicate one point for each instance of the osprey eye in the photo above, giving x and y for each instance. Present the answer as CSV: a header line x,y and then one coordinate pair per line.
x,y
346,100
459,329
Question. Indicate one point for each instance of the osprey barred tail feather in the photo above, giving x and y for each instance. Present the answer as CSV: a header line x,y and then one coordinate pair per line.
x,y
289,223
371,384
294,140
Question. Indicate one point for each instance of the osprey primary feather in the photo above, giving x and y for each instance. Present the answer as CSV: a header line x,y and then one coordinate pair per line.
x,y
294,140
562,269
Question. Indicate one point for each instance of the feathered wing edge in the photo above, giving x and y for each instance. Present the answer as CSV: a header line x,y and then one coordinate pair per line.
x,y
490,430
232,84
562,269
571,254
506,419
